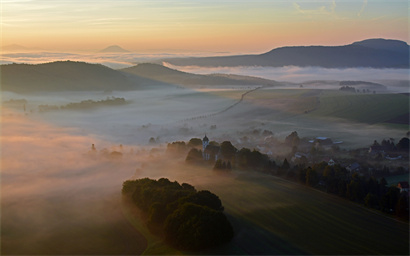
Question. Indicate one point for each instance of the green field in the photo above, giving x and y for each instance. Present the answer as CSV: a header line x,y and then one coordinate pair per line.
x,y
300,219
356,107
274,216
364,108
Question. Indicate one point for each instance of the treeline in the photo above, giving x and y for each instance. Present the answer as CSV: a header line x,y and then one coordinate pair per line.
x,y
225,156
187,219
353,89
333,179
85,104
347,88
364,190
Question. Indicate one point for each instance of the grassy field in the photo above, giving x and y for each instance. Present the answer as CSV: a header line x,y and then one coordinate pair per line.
x,y
355,119
356,107
365,108
274,216
304,221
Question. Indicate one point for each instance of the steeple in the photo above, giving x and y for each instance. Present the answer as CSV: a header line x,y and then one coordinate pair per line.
x,y
205,143
205,138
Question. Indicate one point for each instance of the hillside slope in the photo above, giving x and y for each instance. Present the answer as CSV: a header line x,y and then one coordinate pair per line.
x,y
376,53
63,76
166,75
81,76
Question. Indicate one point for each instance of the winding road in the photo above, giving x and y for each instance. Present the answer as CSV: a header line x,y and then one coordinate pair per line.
x,y
225,109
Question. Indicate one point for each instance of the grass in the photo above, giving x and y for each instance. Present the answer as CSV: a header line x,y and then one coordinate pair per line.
x,y
278,217
365,108
305,221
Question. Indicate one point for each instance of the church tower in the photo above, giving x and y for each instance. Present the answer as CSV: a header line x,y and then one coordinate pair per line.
x,y
205,143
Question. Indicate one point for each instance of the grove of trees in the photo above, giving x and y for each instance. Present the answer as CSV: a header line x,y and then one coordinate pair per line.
x,y
188,219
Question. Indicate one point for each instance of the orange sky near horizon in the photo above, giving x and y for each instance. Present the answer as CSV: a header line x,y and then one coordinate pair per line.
x,y
201,26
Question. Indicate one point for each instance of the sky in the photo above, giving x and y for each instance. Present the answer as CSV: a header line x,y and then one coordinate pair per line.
x,y
202,26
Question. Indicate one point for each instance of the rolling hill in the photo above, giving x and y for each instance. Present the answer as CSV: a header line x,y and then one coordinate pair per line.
x,y
166,75
375,53
81,76
63,76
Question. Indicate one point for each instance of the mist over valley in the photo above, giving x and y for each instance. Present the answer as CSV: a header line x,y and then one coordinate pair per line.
x,y
72,132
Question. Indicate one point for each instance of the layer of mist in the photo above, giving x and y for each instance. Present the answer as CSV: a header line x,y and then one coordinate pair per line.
x,y
112,60
59,196
303,74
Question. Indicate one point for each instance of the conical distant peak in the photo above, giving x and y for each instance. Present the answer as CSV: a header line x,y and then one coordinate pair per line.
x,y
113,48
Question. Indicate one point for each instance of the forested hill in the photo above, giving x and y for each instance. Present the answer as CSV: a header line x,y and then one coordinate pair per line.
x,y
63,76
376,53
167,75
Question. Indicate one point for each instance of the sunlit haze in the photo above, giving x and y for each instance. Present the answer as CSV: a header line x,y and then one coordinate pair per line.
x,y
206,127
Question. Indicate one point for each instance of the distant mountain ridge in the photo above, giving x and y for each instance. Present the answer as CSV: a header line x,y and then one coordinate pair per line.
x,y
375,53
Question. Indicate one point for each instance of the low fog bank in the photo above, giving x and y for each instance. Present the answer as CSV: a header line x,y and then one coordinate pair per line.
x,y
57,197
112,60
164,114
159,116
302,74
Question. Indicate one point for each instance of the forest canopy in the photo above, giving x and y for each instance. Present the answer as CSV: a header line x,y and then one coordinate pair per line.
x,y
188,219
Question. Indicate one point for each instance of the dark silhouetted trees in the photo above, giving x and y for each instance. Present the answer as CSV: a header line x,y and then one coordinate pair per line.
x,y
194,226
222,165
195,143
194,156
292,139
188,219
403,144
228,151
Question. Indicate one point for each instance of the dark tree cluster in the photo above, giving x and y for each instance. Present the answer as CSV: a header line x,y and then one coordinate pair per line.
x,y
368,191
195,143
113,101
188,219
177,147
387,147
347,88
253,160
180,147
292,139
85,104
222,165
228,157
194,156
